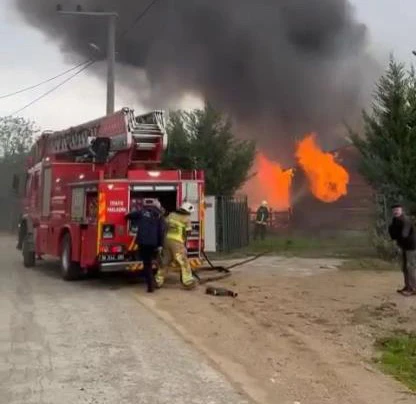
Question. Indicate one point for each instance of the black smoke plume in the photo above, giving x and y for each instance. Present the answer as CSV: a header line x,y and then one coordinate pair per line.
x,y
280,68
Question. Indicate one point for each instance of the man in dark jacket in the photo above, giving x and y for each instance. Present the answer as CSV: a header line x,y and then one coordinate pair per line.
x,y
402,231
262,216
149,238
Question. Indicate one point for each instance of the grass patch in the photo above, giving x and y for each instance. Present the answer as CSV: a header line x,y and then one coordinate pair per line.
x,y
368,264
398,358
341,246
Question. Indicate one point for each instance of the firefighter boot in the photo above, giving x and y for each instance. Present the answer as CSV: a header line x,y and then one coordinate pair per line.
x,y
160,277
187,278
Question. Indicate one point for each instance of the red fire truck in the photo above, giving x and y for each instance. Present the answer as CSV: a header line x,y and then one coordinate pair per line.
x,y
81,182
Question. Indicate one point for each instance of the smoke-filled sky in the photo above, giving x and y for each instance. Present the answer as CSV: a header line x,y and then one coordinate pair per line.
x,y
279,67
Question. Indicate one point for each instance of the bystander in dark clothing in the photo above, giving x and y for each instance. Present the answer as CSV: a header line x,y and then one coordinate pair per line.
x,y
149,238
262,217
402,231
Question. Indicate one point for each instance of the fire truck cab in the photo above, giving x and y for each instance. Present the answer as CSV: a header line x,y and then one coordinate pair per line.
x,y
81,183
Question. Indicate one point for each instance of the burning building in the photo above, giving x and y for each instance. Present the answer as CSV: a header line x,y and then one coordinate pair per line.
x,y
270,182
324,191
342,200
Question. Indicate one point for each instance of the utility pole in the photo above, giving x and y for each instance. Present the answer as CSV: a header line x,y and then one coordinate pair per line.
x,y
111,47
111,63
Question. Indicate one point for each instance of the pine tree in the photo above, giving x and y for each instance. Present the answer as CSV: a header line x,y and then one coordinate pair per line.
x,y
203,139
388,147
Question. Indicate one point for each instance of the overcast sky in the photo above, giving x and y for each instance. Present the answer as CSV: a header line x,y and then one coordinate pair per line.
x,y
27,57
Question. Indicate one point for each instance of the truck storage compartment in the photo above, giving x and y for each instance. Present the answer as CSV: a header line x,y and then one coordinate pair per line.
x,y
168,200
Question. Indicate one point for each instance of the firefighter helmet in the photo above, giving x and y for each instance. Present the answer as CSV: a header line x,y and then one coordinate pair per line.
x,y
152,202
187,208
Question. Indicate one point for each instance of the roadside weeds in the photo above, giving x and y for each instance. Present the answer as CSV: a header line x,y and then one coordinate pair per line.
x,y
397,357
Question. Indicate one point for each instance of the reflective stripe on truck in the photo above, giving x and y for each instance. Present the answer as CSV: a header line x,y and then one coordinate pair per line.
x,y
102,207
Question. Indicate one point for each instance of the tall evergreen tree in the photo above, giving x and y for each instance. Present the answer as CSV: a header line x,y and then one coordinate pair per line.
x,y
388,146
203,139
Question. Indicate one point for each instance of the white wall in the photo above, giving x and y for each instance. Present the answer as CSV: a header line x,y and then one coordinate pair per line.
x,y
210,228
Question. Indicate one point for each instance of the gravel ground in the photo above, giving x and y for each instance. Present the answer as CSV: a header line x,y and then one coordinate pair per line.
x,y
300,331
93,342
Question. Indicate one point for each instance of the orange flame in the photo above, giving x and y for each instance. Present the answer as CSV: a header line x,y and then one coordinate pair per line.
x,y
271,183
328,180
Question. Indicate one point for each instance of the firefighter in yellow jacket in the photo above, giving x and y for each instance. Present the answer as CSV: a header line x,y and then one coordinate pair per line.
x,y
174,249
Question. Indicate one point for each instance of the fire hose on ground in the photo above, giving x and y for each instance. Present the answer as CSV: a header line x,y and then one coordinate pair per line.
x,y
225,272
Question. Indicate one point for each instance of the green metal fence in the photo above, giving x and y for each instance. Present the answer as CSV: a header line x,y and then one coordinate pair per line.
x,y
232,221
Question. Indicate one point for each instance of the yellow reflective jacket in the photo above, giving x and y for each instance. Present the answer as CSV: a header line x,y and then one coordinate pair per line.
x,y
177,227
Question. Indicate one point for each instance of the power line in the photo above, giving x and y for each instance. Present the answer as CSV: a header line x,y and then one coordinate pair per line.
x,y
138,19
45,81
86,66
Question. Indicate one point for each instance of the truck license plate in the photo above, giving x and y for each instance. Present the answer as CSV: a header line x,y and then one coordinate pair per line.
x,y
112,257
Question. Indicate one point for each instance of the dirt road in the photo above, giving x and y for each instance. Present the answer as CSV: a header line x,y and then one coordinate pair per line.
x,y
92,342
300,330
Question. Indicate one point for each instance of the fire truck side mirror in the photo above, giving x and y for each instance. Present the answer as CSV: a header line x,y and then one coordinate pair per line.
x,y
16,183
101,149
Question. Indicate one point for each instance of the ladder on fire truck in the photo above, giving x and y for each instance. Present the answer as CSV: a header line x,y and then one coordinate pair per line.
x,y
123,129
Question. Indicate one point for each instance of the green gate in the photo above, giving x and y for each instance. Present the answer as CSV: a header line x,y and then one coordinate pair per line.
x,y
232,222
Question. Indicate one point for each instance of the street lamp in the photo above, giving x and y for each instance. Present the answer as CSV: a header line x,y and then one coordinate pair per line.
x,y
111,47
95,47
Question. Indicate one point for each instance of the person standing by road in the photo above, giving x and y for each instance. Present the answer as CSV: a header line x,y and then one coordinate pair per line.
x,y
149,238
402,231
262,217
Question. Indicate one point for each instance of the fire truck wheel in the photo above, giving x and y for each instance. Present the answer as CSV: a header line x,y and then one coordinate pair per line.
x,y
70,270
29,256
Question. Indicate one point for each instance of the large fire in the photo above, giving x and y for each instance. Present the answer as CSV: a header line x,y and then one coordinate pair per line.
x,y
327,179
271,183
